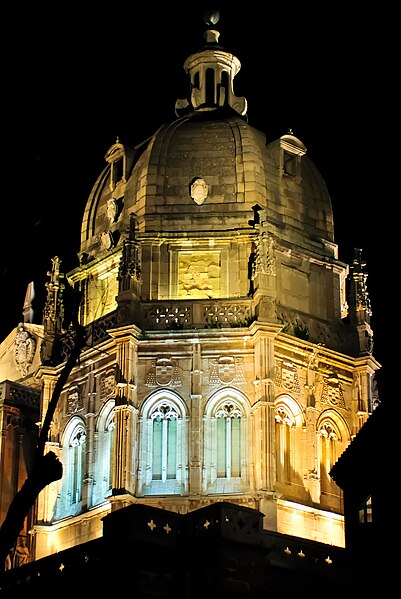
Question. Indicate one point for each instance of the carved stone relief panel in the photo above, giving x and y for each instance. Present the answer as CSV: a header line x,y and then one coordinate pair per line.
x,y
287,376
74,400
226,370
107,385
24,350
164,372
332,391
199,274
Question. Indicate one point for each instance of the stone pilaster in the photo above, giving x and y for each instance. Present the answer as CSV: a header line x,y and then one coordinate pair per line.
x,y
263,412
122,471
311,451
195,471
47,498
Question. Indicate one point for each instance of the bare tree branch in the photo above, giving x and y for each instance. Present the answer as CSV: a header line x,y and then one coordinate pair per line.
x,y
45,468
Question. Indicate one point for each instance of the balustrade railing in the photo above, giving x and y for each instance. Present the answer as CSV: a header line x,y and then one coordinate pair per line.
x,y
181,314
18,395
171,315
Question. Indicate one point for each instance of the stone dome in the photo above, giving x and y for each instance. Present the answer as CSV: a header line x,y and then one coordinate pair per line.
x,y
208,172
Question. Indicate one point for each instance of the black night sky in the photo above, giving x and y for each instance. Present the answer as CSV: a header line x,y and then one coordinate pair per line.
x,y
77,76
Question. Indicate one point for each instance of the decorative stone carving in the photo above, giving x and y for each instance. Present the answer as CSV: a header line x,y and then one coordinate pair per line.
x,y
267,308
164,373
24,350
362,300
264,262
226,370
53,313
264,255
287,377
106,239
199,274
282,416
199,190
112,210
107,386
130,265
332,392
327,431
74,400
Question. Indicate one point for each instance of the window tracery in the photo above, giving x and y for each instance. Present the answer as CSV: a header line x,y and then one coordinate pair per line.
x,y
163,454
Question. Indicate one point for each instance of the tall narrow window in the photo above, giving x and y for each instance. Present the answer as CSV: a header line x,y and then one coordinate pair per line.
x,y
163,454
164,442
226,437
228,418
109,452
225,82
117,170
290,164
210,87
116,157
76,463
283,444
328,456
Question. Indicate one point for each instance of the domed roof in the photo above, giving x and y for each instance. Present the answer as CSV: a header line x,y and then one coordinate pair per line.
x,y
207,171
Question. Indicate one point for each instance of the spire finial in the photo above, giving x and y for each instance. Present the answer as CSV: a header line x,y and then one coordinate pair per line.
x,y
211,17
29,297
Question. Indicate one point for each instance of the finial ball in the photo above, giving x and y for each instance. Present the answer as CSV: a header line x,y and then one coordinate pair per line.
x,y
211,17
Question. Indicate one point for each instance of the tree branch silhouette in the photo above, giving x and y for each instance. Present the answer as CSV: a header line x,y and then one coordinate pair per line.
x,y
46,468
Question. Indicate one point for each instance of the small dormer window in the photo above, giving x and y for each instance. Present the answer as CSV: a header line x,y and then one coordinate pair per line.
x,y
292,150
290,164
117,169
116,157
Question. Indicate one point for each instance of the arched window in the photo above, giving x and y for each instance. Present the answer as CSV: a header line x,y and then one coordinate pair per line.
x,y
284,422
289,424
69,502
228,417
109,452
164,445
226,443
104,454
163,449
76,464
329,437
333,436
